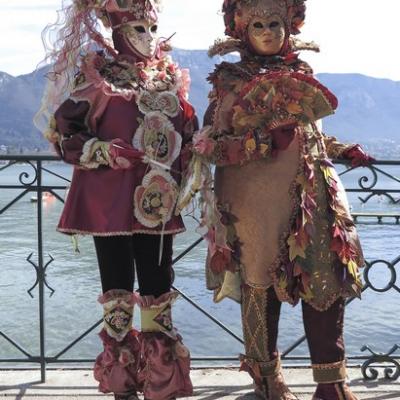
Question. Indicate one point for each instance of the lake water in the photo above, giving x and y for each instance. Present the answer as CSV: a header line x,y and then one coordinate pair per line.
x,y
73,307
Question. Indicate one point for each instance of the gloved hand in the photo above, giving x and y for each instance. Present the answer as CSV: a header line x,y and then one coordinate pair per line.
x,y
123,155
357,156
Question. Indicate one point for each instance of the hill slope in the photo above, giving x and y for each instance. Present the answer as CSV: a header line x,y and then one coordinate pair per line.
x,y
368,111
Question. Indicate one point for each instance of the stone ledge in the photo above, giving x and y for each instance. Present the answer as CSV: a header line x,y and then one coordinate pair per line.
x,y
210,384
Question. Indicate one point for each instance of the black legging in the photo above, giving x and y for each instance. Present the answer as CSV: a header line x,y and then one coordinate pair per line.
x,y
119,255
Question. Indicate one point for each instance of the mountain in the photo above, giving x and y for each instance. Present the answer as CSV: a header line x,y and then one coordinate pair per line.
x,y
19,100
4,78
200,66
368,110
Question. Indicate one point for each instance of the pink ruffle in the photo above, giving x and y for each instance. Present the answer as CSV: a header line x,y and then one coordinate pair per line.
x,y
184,83
166,373
90,68
117,294
116,368
149,301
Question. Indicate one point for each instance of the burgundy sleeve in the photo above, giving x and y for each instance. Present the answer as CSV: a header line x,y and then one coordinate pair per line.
x,y
190,125
71,125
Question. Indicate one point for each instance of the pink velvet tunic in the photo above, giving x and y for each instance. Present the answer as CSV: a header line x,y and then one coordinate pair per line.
x,y
101,200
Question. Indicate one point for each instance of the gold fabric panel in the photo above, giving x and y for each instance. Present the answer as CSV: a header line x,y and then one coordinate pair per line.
x,y
259,197
329,373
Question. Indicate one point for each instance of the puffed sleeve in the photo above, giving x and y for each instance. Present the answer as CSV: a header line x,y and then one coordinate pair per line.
x,y
353,153
334,148
76,144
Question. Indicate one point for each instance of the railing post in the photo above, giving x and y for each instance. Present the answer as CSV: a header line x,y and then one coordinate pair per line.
x,y
41,273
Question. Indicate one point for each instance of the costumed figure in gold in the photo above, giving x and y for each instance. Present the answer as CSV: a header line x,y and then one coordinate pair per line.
x,y
278,224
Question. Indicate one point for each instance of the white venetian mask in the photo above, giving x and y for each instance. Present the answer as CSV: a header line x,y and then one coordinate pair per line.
x,y
141,37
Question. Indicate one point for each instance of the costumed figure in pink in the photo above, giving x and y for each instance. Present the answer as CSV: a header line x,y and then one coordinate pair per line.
x,y
278,224
118,111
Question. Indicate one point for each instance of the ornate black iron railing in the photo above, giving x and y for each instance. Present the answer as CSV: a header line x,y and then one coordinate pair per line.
x,y
367,188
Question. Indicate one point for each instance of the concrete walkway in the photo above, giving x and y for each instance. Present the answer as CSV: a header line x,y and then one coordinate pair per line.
x,y
210,384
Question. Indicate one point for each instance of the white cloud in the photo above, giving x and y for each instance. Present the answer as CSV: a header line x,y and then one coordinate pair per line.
x,y
355,35
21,46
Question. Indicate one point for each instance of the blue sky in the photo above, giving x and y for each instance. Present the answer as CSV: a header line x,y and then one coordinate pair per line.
x,y
355,35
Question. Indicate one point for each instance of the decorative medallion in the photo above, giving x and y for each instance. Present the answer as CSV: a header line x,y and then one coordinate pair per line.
x,y
165,102
118,319
157,137
155,199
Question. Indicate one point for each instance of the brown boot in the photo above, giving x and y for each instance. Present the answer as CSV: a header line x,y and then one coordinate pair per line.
x,y
274,388
165,372
333,391
116,368
260,315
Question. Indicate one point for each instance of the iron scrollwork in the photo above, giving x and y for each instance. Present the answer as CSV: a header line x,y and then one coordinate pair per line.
x,y
368,184
393,275
363,181
25,175
370,373
40,275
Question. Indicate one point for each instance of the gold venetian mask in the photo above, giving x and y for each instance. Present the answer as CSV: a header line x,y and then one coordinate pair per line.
x,y
266,34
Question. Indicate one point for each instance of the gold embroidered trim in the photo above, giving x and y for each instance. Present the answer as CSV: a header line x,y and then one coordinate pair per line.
x,y
259,370
270,368
255,330
329,373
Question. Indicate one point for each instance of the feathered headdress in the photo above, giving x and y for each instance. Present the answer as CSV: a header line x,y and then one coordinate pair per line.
x,y
77,31
238,13
237,16
116,12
